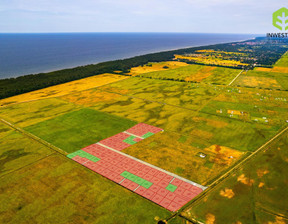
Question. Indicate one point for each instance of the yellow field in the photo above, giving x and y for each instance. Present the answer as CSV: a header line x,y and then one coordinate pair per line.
x,y
254,81
201,74
152,67
63,89
210,60
260,69
280,69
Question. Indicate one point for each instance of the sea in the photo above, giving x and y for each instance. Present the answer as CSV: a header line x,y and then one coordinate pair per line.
x,y
32,53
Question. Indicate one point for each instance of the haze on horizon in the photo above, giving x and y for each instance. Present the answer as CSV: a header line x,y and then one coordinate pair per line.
x,y
202,16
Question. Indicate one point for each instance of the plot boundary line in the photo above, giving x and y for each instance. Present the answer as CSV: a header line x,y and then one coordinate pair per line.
x,y
155,167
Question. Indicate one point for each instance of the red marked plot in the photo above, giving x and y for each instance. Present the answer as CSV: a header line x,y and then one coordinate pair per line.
x,y
163,184
196,190
133,170
163,192
141,129
146,169
180,191
118,178
80,159
181,201
161,175
174,206
89,164
186,185
148,177
137,139
157,198
112,164
148,194
140,190
171,195
112,176
126,183
168,178
155,188
176,182
188,194
118,170
165,202
132,186
153,172
141,174
155,180
106,173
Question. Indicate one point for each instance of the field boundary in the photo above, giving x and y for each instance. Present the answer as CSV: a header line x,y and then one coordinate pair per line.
x,y
155,167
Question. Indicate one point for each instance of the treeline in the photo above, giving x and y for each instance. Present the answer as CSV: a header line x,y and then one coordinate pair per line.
x,y
27,83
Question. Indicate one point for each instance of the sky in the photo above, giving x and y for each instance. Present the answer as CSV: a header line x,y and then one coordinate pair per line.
x,y
201,16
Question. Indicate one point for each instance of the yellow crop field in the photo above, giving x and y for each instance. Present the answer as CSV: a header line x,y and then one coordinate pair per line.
x,y
254,81
280,69
260,69
211,60
63,89
201,74
160,66
91,97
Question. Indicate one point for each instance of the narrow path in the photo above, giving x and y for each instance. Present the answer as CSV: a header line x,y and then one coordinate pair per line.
x,y
236,77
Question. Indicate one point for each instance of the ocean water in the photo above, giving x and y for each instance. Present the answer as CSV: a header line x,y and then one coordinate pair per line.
x,y
22,54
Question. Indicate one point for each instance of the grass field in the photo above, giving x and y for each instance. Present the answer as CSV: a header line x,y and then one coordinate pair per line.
x,y
189,95
75,130
251,105
63,89
57,190
18,150
210,128
29,113
252,194
180,155
283,61
196,73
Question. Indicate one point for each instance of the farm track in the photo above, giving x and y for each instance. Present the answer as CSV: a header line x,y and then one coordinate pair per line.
x,y
236,77
223,177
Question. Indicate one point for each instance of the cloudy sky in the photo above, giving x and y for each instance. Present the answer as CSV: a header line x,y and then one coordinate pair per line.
x,y
205,16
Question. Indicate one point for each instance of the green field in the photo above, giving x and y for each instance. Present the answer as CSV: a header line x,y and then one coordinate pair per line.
x,y
283,61
58,190
257,188
75,130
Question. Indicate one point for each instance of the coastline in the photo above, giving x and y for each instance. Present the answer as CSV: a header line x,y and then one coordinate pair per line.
x,y
82,62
